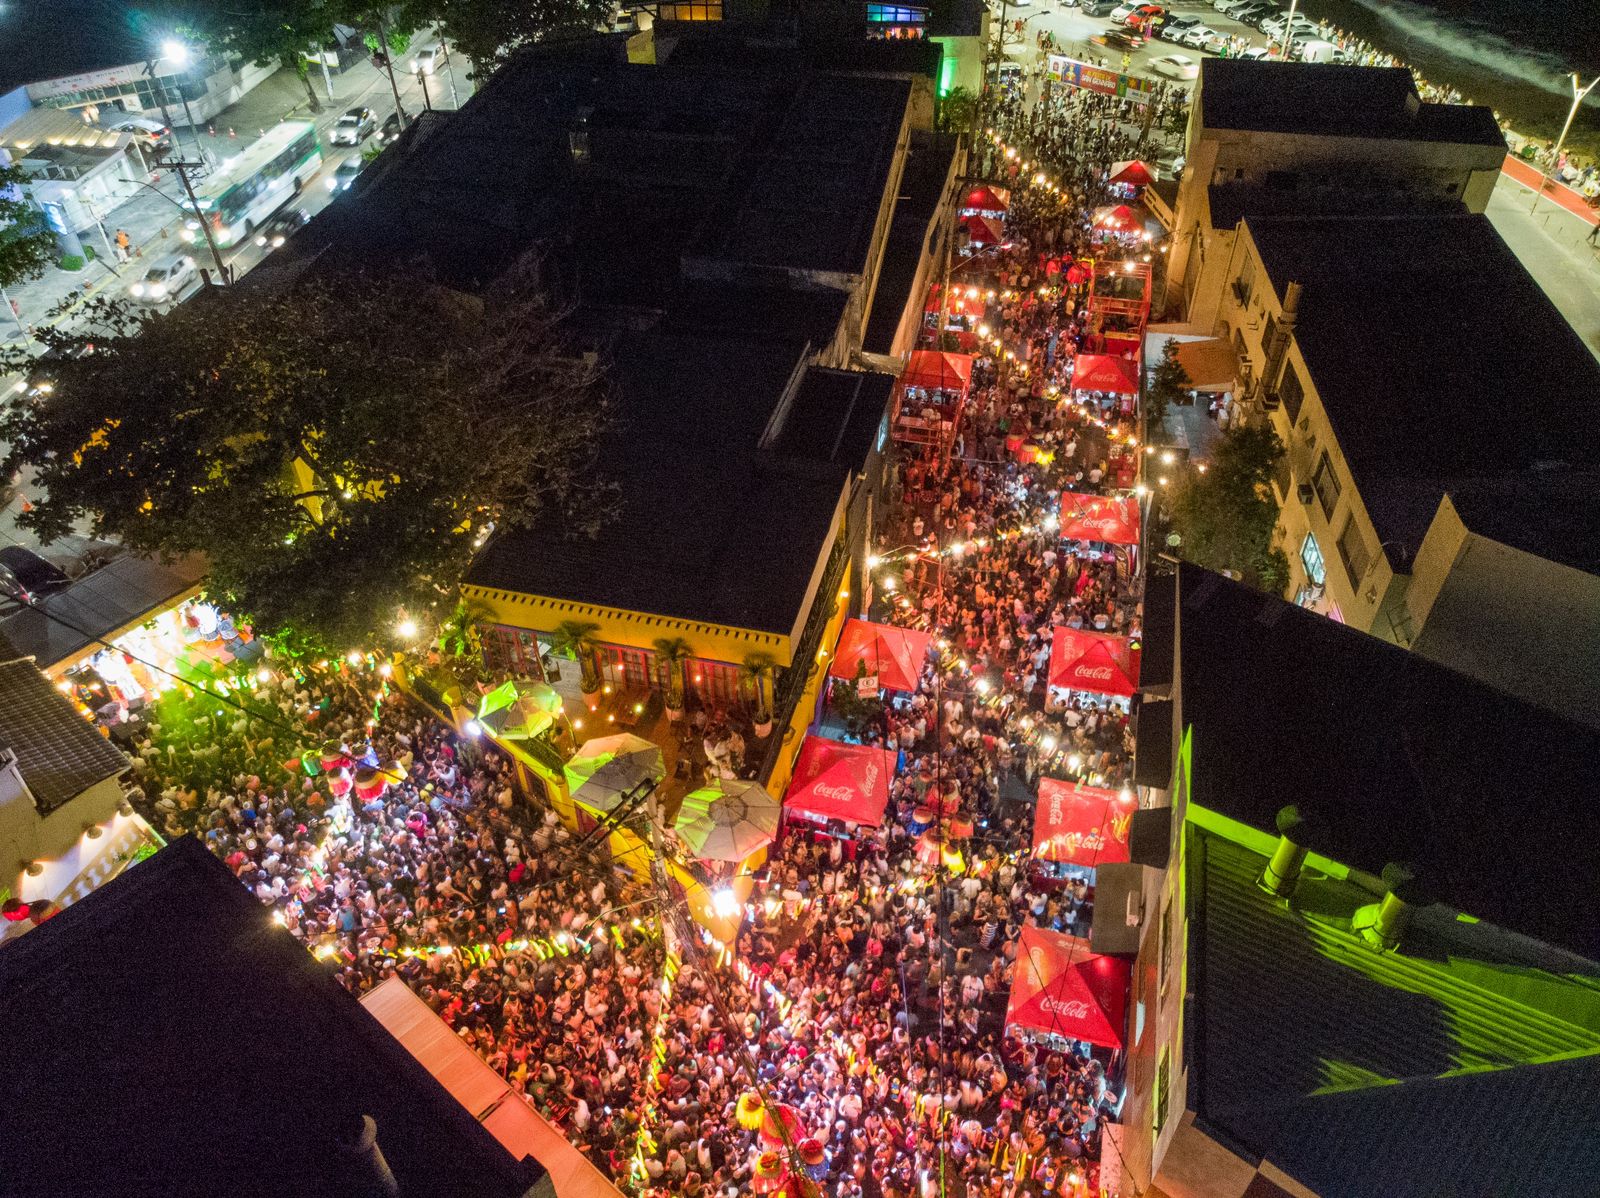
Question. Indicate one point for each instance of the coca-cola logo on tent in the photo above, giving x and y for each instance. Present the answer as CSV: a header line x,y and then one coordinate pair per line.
x,y
1098,673
1071,1008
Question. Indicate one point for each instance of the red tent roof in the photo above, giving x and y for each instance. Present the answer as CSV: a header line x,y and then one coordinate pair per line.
x,y
987,199
1083,825
1093,661
1060,986
1118,218
834,780
894,655
1102,372
1099,518
1133,172
984,229
938,371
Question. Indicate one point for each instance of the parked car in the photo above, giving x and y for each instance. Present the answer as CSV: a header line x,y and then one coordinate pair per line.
x,y
1256,53
427,59
354,127
275,230
1198,35
1227,6
1316,50
27,575
1173,28
151,135
345,174
165,280
1176,66
1097,8
1302,29
1136,14
1255,14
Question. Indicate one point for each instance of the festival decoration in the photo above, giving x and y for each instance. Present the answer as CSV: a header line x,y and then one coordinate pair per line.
x,y
750,1110
770,1174
780,1125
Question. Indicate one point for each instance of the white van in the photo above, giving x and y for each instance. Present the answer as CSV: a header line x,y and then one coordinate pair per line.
x,y
1318,51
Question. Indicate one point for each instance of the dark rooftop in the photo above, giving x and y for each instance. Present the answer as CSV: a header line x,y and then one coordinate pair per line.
x,y
58,754
1422,333
178,1043
1491,800
921,187
1324,100
835,417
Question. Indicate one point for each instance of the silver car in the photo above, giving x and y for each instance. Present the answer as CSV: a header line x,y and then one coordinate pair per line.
x,y
166,279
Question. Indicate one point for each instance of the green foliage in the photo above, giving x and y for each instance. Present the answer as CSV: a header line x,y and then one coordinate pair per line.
x,y
399,42
1226,515
860,715
575,640
27,246
72,262
676,653
1168,382
337,452
757,670
488,31
958,109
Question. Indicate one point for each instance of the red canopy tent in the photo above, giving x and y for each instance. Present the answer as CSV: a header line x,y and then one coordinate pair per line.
x,y
1081,660
984,198
1080,825
833,780
1118,218
1062,988
984,230
1102,372
1099,518
938,371
893,656
1132,172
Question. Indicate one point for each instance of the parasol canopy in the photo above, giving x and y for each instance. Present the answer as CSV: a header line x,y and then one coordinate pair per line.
x,y
730,823
1132,172
1080,825
1093,661
608,767
833,780
894,656
1062,988
936,370
518,710
1118,218
1105,518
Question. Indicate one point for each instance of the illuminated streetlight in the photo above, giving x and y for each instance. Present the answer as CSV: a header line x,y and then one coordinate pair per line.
x,y
407,628
175,52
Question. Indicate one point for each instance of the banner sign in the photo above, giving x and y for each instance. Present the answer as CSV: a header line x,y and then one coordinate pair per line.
x,y
1098,79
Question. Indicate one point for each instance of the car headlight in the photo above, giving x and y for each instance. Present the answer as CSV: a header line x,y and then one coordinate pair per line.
x,y
260,240
333,185
188,234
277,241
137,289
158,292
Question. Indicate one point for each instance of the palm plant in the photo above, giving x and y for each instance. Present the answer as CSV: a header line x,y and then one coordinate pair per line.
x,y
676,653
575,640
757,670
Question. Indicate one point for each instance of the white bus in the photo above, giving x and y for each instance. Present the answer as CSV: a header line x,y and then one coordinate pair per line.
x,y
251,186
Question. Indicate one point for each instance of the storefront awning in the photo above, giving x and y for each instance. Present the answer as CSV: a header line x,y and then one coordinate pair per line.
x,y
833,780
1211,364
1103,372
893,656
1112,520
1080,825
937,371
1062,988
1093,661
1132,172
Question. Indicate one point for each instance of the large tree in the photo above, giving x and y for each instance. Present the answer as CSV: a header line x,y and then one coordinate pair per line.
x,y
26,244
337,453
1225,513
487,31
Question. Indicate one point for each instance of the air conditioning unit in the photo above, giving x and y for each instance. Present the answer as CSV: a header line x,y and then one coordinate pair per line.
x,y
1306,493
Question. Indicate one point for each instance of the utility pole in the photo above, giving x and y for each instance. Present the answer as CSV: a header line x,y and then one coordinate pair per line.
x,y
160,93
388,65
1579,91
422,82
183,169
1288,29
450,70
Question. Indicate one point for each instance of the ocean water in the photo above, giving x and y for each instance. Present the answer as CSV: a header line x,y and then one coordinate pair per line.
x,y
1514,55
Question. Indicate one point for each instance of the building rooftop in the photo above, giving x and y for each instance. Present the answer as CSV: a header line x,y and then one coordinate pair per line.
x,y
921,188
1325,100
1489,799
1335,1062
178,1042
58,753
1443,367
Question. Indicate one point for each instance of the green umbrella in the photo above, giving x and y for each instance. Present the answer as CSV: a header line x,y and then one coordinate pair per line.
x,y
608,767
730,823
519,710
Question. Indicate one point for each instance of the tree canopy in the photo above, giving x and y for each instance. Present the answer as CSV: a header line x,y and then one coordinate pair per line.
x,y
26,244
1226,514
488,31
337,453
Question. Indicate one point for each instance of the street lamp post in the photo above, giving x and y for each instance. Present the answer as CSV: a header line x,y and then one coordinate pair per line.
x,y
1579,91
177,53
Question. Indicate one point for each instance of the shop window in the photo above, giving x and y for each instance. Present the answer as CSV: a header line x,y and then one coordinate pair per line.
x,y
1158,1103
510,652
1354,553
1326,484
1311,559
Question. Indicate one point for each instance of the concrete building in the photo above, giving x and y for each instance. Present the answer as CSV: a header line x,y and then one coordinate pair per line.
x,y
724,236
1362,965
199,89
1441,441
1270,138
79,173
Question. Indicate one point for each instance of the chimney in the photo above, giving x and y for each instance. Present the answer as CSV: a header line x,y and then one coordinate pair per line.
x,y
1283,871
1383,924
360,1160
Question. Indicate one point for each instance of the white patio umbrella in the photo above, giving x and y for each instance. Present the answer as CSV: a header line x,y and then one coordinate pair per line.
x,y
608,767
730,823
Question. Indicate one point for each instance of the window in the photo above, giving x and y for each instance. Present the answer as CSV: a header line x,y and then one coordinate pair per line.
x,y
510,652
1326,484
690,12
1353,552
1165,964
1291,392
1158,1103
1311,559
896,14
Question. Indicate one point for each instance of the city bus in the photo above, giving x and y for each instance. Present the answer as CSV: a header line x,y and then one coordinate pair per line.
x,y
251,186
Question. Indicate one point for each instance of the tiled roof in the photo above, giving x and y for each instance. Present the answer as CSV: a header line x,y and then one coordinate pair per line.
x,y
59,755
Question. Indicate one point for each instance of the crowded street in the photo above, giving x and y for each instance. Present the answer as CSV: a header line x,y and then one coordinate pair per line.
x,y
860,1018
